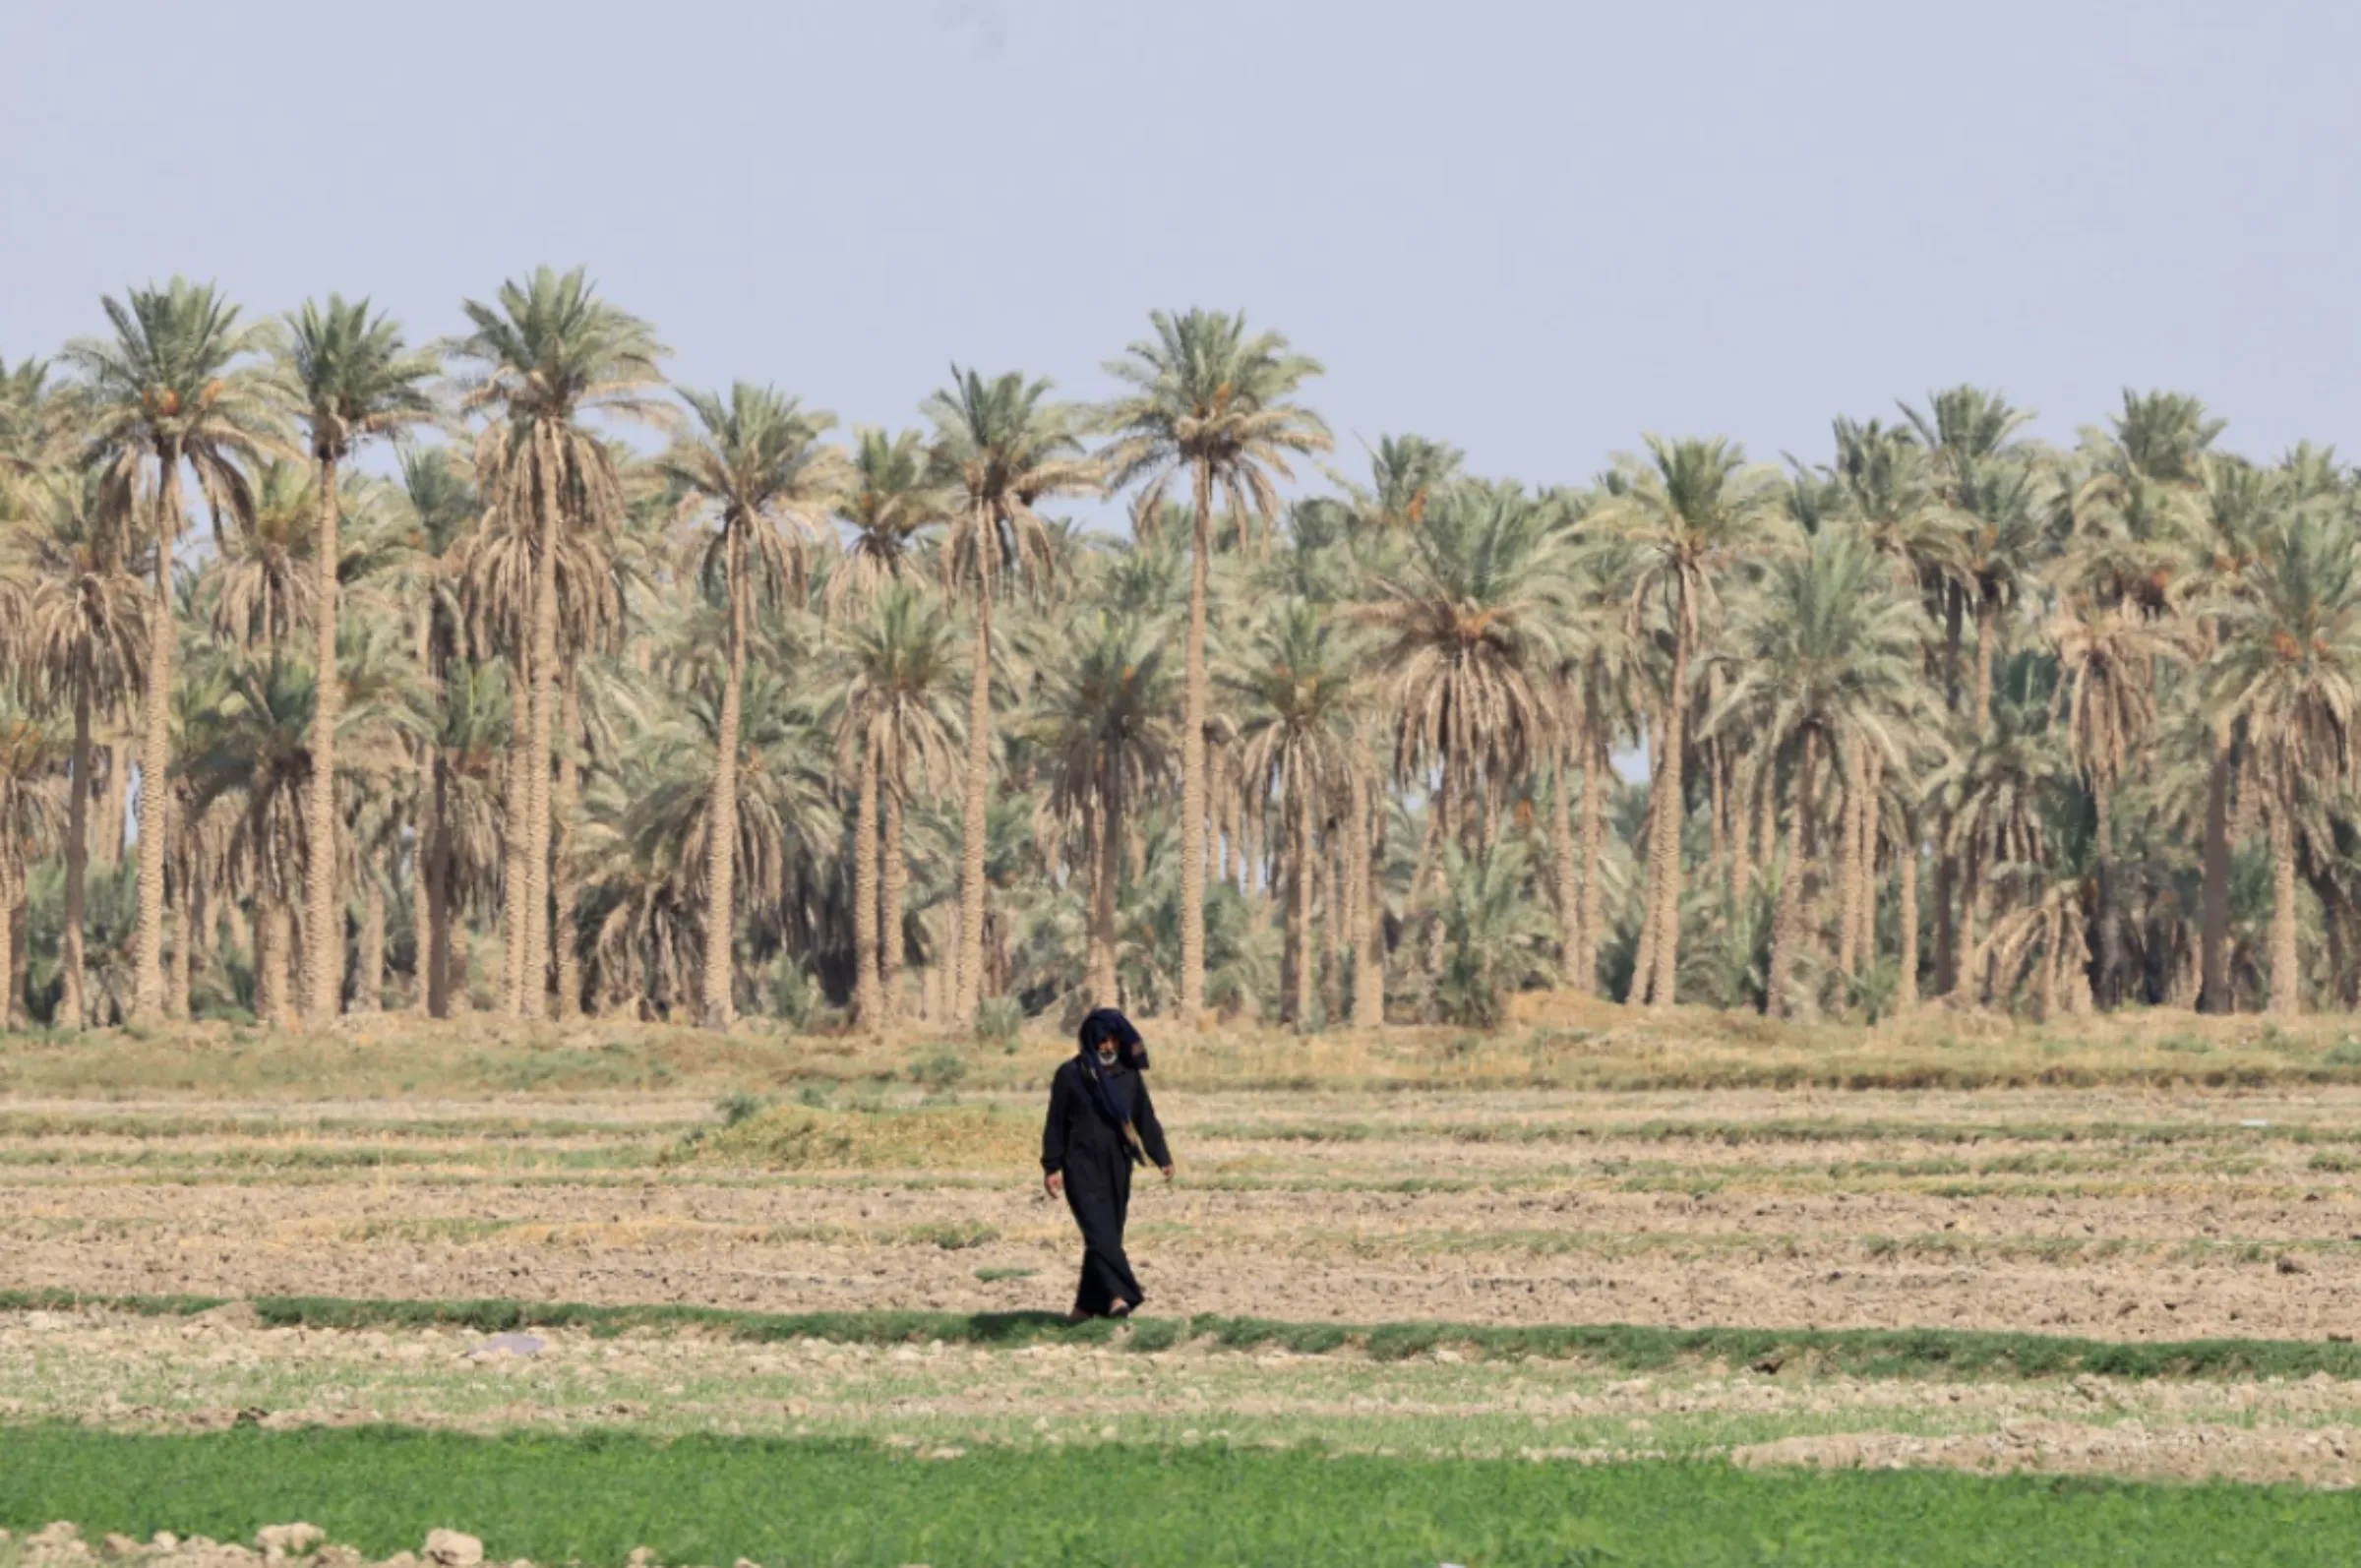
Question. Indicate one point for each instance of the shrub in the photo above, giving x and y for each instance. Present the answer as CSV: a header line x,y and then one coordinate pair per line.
x,y
999,1020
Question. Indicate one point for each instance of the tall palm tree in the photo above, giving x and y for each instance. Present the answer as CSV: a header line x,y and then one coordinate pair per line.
x,y
756,465
902,720
1466,643
1207,397
355,378
2288,670
1104,731
2107,659
1294,685
177,386
1001,445
547,355
1689,511
83,640
1829,656
895,499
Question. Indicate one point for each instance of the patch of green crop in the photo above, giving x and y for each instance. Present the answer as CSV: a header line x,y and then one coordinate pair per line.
x,y
594,1499
1858,1353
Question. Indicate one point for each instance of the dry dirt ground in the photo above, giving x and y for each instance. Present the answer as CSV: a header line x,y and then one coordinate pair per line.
x,y
2113,1214
2123,1213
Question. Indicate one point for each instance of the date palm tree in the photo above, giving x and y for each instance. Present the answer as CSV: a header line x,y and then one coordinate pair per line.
x,y
83,639
1105,732
895,499
902,720
1827,658
544,356
1689,511
2288,670
356,380
180,385
1465,643
2108,657
1207,397
1002,447
1293,690
756,465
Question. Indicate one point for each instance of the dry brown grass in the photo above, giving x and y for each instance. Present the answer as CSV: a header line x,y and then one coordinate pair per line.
x,y
1553,1040
807,1138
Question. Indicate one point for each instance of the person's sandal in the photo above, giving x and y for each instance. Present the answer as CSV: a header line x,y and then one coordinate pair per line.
x,y
1119,1309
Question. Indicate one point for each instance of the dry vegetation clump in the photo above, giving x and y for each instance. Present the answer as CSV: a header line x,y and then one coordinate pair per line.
x,y
813,1138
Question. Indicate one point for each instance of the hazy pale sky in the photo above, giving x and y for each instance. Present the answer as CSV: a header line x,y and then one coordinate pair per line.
x,y
1532,229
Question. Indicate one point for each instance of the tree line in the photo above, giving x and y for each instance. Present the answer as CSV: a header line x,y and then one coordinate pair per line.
x,y
760,716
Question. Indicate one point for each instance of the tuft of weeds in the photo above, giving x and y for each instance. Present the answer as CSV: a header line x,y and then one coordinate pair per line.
x,y
940,1070
807,1138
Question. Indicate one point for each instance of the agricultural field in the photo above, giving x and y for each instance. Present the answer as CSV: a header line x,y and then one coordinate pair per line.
x,y
1595,1288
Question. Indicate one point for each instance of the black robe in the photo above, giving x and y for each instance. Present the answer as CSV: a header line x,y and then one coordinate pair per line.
x,y
1098,1175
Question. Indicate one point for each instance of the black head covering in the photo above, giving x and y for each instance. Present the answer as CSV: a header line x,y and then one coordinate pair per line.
x,y
1101,1026
1106,1023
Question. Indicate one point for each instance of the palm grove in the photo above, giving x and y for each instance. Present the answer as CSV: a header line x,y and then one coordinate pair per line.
x,y
460,700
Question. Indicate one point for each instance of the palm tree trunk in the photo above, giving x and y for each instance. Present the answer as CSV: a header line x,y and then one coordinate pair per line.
x,y
156,749
1946,933
20,954
435,955
1594,776
1717,772
369,985
1873,779
1105,868
2287,989
12,981
1848,854
1298,913
1970,983
1664,850
1787,919
869,1001
188,937
1366,844
515,826
544,717
1987,628
1568,871
969,990
422,921
2110,922
78,853
721,831
1336,918
272,935
1906,985
567,961
1741,832
889,908
106,843
2054,929
2215,891
324,959
1192,764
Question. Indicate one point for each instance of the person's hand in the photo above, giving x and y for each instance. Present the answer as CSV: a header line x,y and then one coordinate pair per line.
x,y
1167,1175
1054,1184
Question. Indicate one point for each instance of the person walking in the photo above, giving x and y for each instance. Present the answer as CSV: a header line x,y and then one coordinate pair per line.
x,y
1102,1122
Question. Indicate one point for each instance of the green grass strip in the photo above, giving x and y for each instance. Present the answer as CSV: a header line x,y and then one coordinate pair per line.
x,y
1858,1353
591,1498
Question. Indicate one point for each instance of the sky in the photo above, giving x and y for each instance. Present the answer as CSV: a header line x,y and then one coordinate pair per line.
x,y
1536,230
